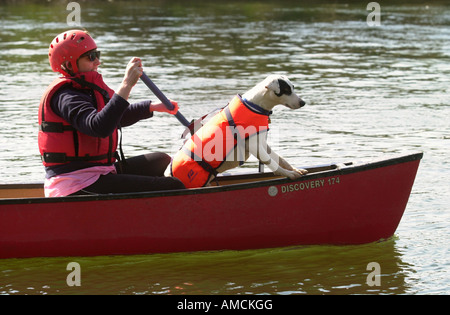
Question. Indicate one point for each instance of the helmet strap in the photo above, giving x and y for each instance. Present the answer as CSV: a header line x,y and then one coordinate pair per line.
x,y
67,67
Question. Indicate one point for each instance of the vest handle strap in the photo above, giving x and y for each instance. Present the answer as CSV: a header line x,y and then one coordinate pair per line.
x,y
54,157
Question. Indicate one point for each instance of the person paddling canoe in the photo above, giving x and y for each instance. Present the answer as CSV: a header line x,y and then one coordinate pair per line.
x,y
79,122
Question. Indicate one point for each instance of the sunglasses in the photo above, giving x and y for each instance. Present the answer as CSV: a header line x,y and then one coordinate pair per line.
x,y
92,55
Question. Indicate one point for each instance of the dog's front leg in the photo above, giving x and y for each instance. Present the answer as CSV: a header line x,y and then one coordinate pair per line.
x,y
283,163
258,148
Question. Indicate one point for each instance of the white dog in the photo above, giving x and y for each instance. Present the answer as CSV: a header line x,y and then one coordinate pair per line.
x,y
238,130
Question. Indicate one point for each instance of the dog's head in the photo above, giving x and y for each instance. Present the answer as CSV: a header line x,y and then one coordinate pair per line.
x,y
281,91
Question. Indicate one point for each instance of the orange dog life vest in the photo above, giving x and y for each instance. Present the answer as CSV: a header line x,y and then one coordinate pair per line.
x,y
201,156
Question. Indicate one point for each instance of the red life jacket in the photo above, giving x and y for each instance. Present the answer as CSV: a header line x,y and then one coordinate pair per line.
x,y
59,142
207,149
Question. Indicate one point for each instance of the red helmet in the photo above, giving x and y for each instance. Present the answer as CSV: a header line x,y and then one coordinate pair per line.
x,y
69,46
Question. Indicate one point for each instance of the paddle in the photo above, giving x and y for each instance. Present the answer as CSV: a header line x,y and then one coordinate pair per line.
x,y
165,100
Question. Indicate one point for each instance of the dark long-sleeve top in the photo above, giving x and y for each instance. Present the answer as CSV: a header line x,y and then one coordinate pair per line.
x,y
78,108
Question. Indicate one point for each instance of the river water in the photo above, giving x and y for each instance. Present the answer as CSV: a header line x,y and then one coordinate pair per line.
x,y
370,91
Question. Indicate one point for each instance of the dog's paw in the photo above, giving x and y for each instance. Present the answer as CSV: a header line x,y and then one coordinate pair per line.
x,y
294,174
291,174
301,171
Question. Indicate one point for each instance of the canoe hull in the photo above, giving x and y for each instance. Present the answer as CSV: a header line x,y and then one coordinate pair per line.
x,y
353,205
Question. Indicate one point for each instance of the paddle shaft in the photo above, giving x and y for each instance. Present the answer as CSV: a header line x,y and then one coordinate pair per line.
x,y
163,99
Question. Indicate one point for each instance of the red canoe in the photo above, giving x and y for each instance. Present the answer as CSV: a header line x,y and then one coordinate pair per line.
x,y
349,203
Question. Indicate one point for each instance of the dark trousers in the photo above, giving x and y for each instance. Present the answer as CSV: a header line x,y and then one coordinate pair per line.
x,y
136,174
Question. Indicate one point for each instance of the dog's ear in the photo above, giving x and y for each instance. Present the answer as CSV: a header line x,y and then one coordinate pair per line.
x,y
274,85
280,87
285,88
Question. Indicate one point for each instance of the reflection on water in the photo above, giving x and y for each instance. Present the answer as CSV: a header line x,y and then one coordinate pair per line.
x,y
369,91
301,270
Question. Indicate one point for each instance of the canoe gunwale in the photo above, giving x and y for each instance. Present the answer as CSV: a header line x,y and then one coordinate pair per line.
x,y
333,170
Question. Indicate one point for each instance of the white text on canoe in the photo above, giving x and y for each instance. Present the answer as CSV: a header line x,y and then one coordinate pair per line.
x,y
312,184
